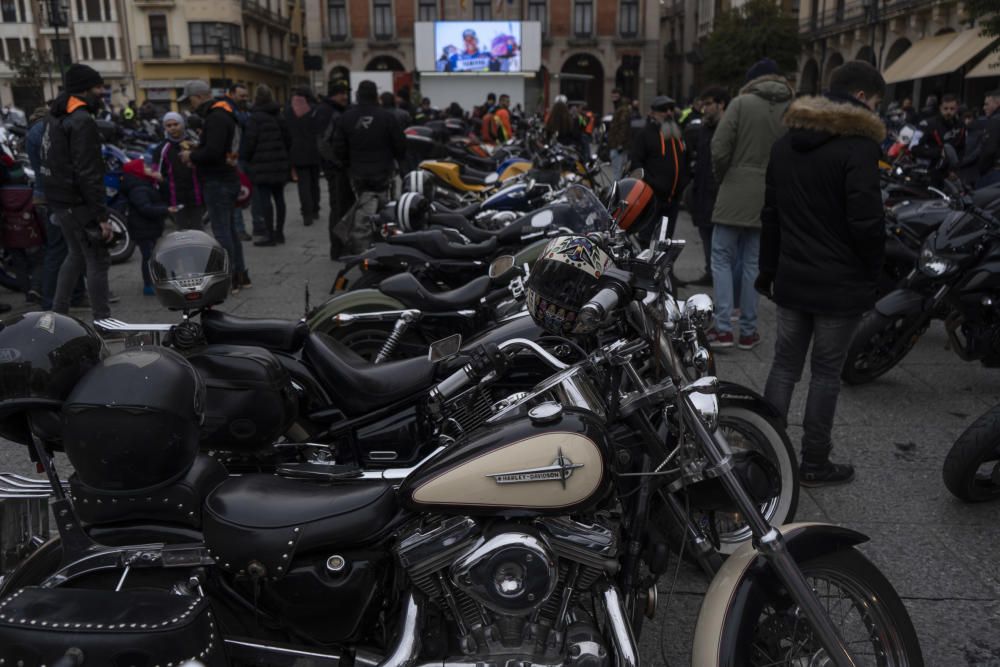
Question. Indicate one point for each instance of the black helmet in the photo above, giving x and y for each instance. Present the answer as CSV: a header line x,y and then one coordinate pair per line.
x,y
635,204
190,270
133,422
411,211
42,357
562,280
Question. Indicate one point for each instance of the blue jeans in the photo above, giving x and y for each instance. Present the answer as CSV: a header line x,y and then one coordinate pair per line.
x,y
618,158
220,199
830,338
735,252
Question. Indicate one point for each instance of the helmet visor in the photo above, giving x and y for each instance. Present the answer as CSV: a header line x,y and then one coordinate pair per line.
x,y
190,261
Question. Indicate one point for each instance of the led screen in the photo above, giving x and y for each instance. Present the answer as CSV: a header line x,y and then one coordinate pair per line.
x,y
482,46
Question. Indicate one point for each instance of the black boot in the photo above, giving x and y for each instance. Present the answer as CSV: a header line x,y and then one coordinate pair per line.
x,y
825,474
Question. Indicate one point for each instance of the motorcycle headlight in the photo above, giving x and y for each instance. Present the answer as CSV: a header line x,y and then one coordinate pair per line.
x,y
934,266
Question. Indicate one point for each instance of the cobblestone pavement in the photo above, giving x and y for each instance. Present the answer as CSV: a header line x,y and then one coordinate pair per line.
x,y
938,553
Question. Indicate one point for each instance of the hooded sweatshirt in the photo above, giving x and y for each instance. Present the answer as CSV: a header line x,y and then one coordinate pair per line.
x,y
146,210
823,236
741,148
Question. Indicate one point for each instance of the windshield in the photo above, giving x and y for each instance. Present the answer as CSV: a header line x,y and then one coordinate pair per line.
x,y
958,232
588,207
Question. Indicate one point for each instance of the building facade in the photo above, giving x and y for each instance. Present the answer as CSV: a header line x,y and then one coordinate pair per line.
x,y
87,31
922,47
588,47
220,41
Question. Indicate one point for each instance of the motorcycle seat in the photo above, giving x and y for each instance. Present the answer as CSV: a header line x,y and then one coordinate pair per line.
x,y
357,386
268,519
461,223
409,290
476,176
436,243
280,335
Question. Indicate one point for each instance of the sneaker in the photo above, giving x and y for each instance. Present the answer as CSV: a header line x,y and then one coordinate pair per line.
x,y
245,279
147,290
749,342
825,474
719,339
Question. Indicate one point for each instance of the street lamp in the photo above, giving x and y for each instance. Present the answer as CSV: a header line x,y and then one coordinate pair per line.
x,y
57,10
220,38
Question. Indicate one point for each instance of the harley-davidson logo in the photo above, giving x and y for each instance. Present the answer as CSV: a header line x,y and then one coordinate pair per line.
x,y
560,470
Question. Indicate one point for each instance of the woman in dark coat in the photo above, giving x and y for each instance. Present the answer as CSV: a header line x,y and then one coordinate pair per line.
x,y
264,150
146,212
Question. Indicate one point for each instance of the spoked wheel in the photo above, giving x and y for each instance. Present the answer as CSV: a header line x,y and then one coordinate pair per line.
x,y
748,430
863,605
972,467
878,346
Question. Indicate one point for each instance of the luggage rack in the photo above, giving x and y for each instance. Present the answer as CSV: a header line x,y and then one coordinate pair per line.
x,y
132,335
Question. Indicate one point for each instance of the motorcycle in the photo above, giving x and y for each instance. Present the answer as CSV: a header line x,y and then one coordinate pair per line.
x,y
972,467
957,280
524,541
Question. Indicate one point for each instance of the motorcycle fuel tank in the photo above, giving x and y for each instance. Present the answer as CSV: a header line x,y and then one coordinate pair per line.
x,y
546,463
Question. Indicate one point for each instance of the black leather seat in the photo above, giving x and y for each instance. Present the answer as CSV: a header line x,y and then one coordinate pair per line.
x,y
358,386
476,176
412,293
435,242
460,223
279,335
266,519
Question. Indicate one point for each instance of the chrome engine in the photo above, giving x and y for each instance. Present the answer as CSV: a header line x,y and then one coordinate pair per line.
x,y
513,591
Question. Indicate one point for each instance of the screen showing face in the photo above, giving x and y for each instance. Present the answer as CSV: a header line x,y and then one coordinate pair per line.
x,y
484,46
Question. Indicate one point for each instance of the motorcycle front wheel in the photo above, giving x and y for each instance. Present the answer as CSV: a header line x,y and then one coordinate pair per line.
x,y
751,430
877,346
770,630
972,468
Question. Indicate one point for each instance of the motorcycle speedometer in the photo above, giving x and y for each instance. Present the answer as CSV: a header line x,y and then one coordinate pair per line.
x,y
933,265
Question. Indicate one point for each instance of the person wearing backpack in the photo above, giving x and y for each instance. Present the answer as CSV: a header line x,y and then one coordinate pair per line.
x,y
326,116
146,213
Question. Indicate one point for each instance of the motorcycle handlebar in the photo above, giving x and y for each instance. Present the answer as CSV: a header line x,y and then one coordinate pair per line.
x,y
598,307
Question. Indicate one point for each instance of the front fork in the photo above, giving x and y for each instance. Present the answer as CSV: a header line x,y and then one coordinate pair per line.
x,y
768,539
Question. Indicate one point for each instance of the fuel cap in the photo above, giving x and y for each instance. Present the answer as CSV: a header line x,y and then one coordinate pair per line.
x,y
546,412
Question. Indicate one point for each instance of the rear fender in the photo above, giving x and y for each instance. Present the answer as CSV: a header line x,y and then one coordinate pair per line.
x,y
744,576
358,301
900,302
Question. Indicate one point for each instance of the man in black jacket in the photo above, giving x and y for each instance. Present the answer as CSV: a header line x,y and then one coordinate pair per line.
x,y
326,116
821,248
304,152
215,158
659,150
989,153
945,128
704,189
73,176
368,142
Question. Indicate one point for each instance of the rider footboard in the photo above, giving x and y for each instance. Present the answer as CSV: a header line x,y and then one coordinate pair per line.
x,y
40,625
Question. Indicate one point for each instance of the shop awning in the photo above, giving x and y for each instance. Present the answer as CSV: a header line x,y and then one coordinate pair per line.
x,y
942,54
990,66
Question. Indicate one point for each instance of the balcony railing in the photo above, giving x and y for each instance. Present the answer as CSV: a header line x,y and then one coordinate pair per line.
x,y
159,53
258,10
268,61
837,19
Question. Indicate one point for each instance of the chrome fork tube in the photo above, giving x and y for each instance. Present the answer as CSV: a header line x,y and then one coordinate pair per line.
x,y
769,540
621,630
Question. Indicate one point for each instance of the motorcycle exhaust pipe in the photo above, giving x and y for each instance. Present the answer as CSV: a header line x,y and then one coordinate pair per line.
x,y
621,630
407,647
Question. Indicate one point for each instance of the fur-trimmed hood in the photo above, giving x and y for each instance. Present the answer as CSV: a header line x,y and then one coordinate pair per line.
x,y
816,120
771,87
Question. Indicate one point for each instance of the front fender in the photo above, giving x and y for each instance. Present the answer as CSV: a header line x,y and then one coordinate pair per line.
x,y
900,302
739,581
737,395
358,301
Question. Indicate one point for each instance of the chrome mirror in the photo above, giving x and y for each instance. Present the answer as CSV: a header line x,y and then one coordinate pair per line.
x,y
445,348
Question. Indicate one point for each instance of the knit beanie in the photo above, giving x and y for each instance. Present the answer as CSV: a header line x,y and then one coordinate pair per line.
x,y
173,115
762,68
81,78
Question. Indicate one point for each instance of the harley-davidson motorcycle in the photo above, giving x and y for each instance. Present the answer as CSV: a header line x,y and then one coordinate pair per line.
x,y
525,541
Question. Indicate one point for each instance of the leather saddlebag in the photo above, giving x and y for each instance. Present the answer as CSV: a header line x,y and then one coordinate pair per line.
x,y
39,625
250,402
21,225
